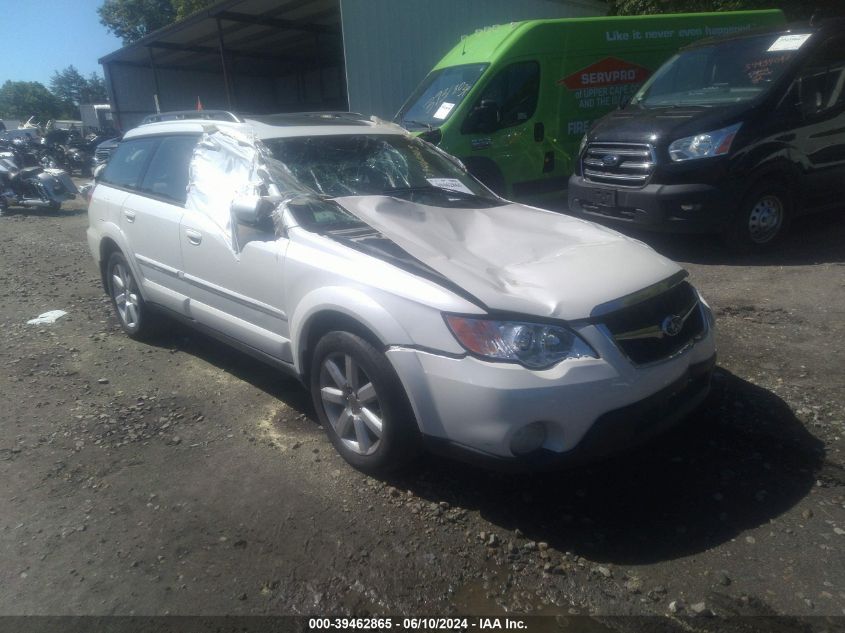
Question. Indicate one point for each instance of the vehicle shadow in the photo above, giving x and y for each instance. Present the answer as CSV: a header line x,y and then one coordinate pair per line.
x,y
738,462
741,460
814,239
273,382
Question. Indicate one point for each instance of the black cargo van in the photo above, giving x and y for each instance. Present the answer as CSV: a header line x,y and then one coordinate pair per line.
x,y
736,135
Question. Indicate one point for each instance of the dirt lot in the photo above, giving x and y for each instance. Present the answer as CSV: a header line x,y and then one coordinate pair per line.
x,y
184,478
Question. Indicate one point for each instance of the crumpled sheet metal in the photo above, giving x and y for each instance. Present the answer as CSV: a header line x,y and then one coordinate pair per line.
x,y
517,258
226,165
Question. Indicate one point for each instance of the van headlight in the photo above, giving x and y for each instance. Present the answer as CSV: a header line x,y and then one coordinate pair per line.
x,y
532,345
583,145
704,145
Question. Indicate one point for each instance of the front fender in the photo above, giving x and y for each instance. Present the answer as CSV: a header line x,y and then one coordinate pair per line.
x,y
350,302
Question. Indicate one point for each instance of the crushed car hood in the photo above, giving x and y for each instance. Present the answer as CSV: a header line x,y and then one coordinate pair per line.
x,y
516,258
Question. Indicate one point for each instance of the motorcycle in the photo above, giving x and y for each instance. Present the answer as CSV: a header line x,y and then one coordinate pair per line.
x,y
32,187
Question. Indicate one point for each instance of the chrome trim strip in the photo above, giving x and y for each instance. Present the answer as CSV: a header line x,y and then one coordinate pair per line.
x,y
627,177
162,268
234,296
640,295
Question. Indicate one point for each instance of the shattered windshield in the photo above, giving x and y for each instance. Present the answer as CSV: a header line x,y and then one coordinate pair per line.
x,y
725,73
360,165
438,95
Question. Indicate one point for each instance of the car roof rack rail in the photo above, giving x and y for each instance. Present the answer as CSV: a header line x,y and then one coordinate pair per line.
x,y
181,115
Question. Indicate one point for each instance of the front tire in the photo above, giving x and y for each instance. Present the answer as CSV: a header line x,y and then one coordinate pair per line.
x,y
132,312
362,405
762,219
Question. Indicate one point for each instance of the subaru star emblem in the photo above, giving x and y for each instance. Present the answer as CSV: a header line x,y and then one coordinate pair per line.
x,y
611,160
672,325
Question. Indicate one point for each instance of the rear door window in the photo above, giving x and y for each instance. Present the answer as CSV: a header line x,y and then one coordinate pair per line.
x,y
167,175
126,166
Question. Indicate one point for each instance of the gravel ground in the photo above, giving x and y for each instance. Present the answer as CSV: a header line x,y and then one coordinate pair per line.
x,y
183,478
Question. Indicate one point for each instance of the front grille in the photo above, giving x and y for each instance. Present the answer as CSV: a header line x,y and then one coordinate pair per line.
x,y
102,155
640,331
621,164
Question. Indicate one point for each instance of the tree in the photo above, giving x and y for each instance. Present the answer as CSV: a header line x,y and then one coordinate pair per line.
x,y
185,8
72,88
131,20
23,99
794,9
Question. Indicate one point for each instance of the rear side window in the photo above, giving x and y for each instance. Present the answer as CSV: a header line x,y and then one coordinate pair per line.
x,y
167,175
127,164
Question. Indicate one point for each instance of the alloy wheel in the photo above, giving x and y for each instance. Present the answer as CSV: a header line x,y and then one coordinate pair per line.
x,y
125,294
351,403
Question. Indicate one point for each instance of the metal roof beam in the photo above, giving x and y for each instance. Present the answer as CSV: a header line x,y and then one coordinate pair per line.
x,y
279,23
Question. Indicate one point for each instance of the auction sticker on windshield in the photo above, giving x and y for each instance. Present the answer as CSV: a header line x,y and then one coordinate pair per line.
x,y
444,110
452,184
789,42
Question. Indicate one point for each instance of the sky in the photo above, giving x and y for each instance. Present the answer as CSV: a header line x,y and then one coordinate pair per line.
x,y
42,36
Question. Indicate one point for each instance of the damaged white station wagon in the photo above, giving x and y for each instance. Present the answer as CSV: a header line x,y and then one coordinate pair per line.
x,y
418,307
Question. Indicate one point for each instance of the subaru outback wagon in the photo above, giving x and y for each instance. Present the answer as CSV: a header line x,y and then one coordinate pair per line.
x,y
420,309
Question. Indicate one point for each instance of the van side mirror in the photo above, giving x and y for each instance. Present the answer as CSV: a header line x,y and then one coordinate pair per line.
x,y
98,170
251,210
483,118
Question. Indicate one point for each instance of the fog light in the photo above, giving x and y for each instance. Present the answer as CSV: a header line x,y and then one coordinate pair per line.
x,y
691,207
528,439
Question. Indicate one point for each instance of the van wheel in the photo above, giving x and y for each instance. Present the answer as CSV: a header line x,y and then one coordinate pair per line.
x,y
762,219
362,405
133,314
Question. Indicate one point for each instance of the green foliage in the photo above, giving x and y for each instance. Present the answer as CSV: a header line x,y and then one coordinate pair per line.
x,y
23,99
185,8
72,88
794,9
130,20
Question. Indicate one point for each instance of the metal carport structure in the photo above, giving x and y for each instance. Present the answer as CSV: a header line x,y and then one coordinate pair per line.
x,y
259,56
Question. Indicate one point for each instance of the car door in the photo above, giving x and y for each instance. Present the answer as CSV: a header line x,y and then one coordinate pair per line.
x,y
150,219
235,281
511,137
821,137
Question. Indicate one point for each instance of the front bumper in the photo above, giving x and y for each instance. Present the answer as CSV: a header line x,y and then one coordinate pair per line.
x,y
471,409
681,208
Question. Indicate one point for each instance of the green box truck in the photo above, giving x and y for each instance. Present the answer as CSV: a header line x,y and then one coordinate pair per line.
x,y
513,101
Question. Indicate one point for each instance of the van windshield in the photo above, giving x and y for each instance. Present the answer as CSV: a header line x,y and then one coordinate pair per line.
x,y
438,95
728,72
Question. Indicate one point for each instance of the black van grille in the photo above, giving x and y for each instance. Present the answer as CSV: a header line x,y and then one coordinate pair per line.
x,y
640,332
621,164
102,155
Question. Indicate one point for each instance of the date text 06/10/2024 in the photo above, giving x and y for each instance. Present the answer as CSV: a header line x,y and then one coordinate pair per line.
x,y
416,624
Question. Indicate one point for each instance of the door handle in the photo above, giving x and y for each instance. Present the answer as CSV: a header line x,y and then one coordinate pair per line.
x,y
194,237
129,214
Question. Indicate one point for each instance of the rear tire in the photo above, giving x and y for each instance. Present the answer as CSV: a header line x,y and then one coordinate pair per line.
x,y
133,314
762,219
362,404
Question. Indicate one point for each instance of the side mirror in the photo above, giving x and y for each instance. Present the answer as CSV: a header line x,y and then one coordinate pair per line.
x,y
251,210
483,118
98,170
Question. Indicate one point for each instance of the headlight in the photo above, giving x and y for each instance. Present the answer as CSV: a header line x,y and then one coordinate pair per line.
x,y
583,145
704,145
533,345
